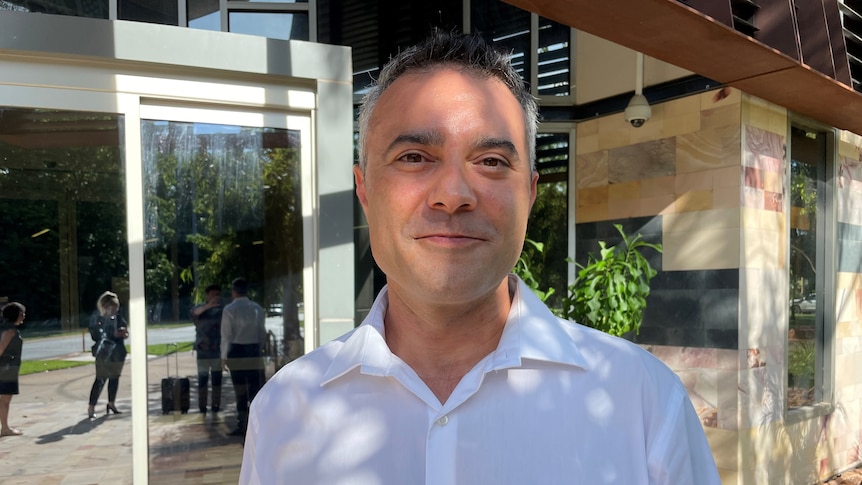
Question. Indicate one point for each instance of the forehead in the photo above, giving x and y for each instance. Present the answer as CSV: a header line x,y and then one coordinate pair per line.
x,y
446,97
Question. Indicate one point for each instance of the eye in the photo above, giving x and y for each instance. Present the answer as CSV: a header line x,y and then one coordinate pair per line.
x,y
492,162
412,158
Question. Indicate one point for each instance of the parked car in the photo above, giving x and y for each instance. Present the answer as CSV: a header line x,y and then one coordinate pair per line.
x,y
807,304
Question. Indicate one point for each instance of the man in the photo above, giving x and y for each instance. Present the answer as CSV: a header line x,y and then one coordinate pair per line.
x,y
243,332
459,374
207,320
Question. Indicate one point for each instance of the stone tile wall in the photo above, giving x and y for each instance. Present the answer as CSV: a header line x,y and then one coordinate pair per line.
x,y
705,177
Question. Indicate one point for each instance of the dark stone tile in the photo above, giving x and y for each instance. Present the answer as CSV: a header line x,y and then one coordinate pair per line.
x,y
722,339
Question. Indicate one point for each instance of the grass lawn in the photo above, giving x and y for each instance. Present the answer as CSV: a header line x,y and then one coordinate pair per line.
x,y
35,366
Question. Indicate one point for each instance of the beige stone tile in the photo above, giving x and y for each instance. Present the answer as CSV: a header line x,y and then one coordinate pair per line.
x,y
772,221
728,398
773,181
846,148
682,106
695,181
614,139
591,170
650,206
589,127
848,280
723,443
726,198
729,115
758,116
681,124
653,129
719,97
613,131
778,121
727,177
703,249
592,213
708,149
705,220
658,186
586,144
592,196
626,190
760,249
693,201
622,208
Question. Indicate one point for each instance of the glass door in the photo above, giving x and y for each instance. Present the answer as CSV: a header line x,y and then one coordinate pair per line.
x,y
224,198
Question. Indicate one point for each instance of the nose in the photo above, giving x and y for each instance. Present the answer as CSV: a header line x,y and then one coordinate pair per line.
x,y
452,190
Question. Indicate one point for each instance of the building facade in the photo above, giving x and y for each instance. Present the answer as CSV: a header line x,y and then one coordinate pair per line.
x,y
209,140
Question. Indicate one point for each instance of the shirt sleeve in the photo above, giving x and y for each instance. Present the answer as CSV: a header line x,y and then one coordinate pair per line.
x,y
226,331
681,453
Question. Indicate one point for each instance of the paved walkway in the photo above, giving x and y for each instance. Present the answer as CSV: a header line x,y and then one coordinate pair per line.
x,y
61,445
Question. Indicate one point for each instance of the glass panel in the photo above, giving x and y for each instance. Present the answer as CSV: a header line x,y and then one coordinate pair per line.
x,y
204,14
221,202
808,153
152,11
63,214
281,25
553,58
548,220
506,26
97,9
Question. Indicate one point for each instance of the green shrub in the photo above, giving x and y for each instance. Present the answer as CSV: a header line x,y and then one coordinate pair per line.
x,y
610,292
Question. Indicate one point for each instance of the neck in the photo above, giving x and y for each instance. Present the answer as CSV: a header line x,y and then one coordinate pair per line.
x,y
441,343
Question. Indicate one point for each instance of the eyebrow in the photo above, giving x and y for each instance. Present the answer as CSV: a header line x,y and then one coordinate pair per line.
x,y
435,138
428,137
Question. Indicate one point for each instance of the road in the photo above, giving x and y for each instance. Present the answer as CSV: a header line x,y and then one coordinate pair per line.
x,y
53,347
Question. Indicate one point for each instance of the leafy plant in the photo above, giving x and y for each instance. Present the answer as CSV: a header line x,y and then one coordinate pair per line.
x,y
801,358
523,270
610,292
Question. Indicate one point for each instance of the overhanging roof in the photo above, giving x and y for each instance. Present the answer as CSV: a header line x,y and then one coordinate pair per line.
x,y
682,36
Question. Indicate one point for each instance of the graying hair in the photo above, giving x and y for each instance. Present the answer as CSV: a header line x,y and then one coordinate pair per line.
x,y
471,54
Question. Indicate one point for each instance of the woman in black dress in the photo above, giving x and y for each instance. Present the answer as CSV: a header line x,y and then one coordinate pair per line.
x,y
10,362
109,331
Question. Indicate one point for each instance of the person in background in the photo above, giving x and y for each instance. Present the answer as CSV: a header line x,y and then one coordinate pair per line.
x,y
243,333
459,374
11,345
207,319
109,331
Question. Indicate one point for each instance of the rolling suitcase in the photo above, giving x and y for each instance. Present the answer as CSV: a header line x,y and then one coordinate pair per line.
x,y
175,390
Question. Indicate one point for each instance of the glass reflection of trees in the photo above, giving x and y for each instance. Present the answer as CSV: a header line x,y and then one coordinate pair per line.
x,y
62,207
808,156
221,202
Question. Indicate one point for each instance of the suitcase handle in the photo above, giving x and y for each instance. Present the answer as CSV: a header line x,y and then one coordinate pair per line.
x,y
177,359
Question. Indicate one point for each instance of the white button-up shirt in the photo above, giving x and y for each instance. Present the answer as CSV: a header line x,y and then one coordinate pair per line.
x,y
555,403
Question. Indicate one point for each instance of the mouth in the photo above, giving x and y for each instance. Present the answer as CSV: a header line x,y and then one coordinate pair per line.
x,y
451,239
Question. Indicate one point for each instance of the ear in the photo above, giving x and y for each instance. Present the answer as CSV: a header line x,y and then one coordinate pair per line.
x,y
359,177
534,180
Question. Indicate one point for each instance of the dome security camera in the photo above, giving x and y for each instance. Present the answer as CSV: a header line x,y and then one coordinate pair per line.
x,y
638,111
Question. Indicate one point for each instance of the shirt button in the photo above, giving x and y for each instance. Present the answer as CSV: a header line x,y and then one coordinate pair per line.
x,y
442,421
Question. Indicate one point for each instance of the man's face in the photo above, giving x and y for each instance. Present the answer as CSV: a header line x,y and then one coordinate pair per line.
x,y
448,185
213,296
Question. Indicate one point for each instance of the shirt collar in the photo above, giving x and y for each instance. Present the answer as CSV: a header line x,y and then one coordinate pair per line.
x,y
532,332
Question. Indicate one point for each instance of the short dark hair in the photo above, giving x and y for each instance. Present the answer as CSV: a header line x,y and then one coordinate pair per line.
x,y
240,286
213,288
13,310
467,52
